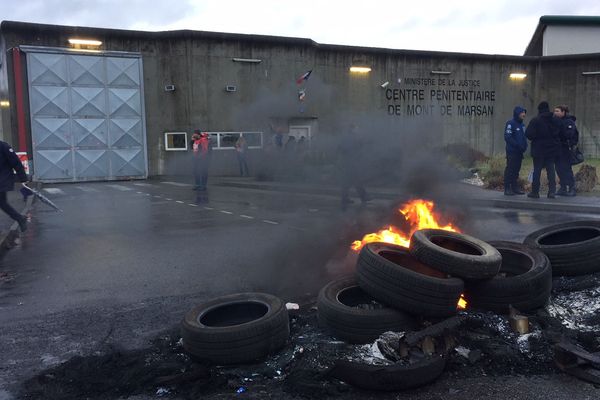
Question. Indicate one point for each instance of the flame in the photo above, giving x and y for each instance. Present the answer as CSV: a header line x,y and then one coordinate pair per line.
x,y
418,213
462,302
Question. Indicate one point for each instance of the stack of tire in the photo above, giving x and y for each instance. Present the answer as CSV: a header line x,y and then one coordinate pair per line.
x,y
428,279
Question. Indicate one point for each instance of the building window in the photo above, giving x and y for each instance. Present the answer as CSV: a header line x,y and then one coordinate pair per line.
x,y
176,141
226,140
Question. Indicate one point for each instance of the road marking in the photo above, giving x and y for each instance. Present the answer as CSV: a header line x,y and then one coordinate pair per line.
x,y
156,195
140,192
179,201
208,208
226,212
148,194
168,199
176,183
246,216
87,189
54,190
270,222
143,184
119,187
193,205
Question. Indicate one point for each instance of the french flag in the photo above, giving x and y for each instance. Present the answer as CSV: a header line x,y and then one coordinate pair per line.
x,y
303,77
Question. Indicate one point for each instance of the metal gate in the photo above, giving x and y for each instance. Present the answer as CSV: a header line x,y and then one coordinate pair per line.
x,y
87,115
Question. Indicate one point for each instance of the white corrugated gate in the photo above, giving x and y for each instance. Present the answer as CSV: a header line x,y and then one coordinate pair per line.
x,y
87,115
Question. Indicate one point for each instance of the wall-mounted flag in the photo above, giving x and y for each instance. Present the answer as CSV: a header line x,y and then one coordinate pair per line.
x,y
303,77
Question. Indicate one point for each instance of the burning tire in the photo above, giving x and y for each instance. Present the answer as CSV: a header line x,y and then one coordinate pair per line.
x,y
352,315
455,253
236,329
524,281
391,275
389,377
573,247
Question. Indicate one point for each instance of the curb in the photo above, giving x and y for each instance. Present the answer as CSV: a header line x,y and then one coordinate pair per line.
x,y
526,204
8,239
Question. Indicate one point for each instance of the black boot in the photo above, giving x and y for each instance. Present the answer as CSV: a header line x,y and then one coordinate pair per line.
x,y
533,195
508,191
517,190
571,192
562,191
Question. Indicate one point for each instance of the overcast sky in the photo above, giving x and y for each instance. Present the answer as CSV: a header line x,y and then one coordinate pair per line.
x,y
470,26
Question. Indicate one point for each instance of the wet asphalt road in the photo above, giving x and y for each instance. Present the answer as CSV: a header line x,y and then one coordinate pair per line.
x,y
125,260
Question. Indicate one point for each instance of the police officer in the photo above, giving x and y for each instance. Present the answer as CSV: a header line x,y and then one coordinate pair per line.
x,y
9,163
516,145
569,137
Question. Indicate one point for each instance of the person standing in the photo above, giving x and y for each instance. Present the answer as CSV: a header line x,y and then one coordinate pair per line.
x,y
516,145
202,150
544,133
9,164
569,138
241,148
350,154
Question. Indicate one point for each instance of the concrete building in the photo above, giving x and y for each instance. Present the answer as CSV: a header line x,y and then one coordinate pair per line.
x,y
125,106
558,35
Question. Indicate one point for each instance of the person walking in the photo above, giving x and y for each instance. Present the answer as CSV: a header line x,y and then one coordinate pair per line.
x,y
9,164
516,145
202,150
544,133
241,149
569,138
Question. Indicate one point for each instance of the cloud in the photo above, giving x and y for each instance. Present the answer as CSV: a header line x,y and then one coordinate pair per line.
x,y
501,27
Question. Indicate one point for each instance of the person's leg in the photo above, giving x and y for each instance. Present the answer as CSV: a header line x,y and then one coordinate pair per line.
x,y
4,206
197,173
551,174
508,174
515,178
561,170
537,171
204,182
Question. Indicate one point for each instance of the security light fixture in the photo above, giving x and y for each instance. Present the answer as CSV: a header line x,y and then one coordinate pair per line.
x,y
440,72
84,42
591,73
360,70
4,103
519,76
247,60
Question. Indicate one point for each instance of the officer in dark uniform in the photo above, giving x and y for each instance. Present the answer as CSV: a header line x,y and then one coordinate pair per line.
x,y
516,145
9,163
569,137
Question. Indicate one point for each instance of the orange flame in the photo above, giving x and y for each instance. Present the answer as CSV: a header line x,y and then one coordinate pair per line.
x,y
418,213
462,302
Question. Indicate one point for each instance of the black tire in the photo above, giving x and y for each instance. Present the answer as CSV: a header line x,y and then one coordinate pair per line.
x,y
236,329
389,377
455,253
391,275
527,284
572,247
338,312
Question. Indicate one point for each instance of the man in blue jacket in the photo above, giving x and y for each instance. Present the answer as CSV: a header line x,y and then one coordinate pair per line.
x,y
9,164
516,145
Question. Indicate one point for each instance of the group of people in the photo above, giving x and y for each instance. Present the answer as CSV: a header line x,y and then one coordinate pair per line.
x,y
552,134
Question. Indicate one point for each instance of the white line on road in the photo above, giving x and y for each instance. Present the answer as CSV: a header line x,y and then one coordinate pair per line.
x,y
193,205
140,192
270,222
168,199
54,190
156,195
119,187
143,184
179,201
246,216
226,212
176,183
87,189
208,208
